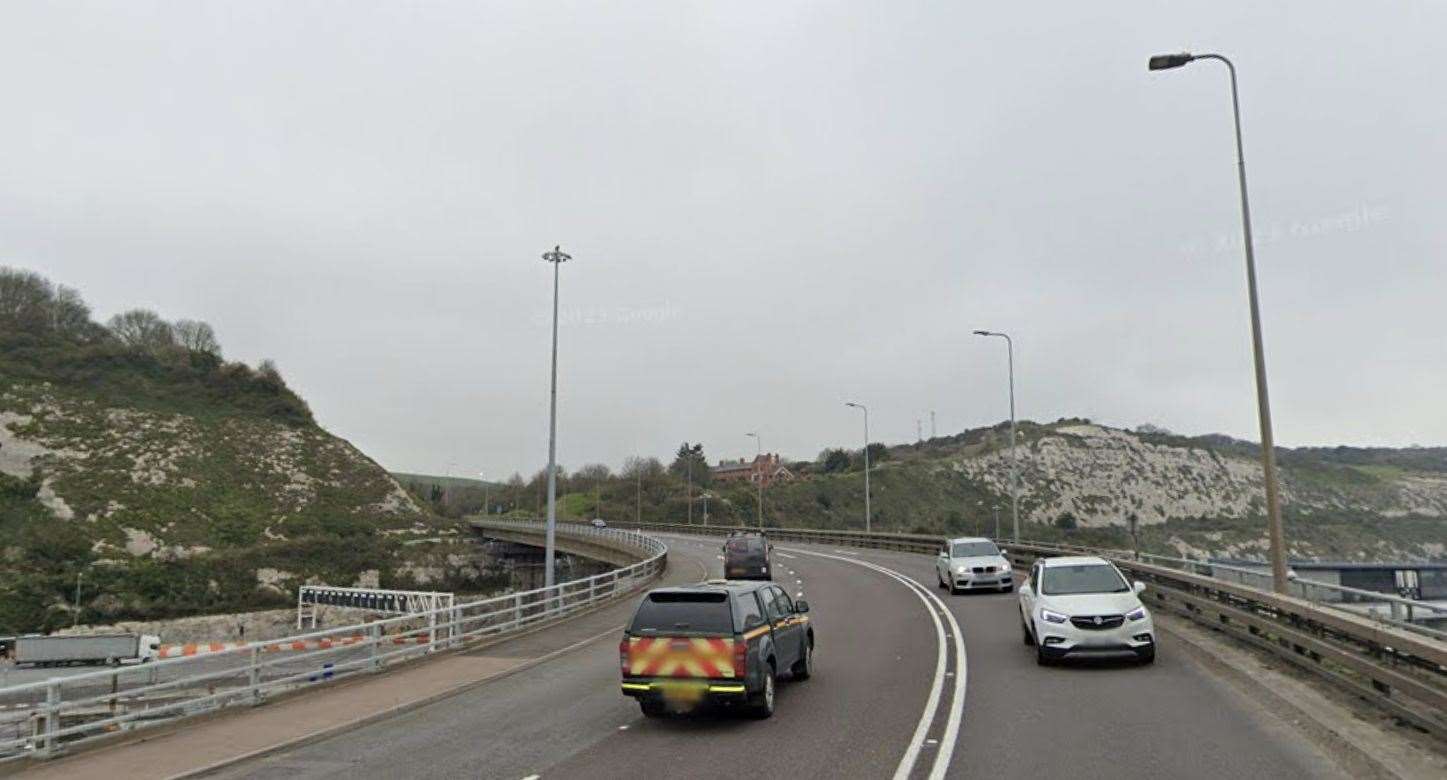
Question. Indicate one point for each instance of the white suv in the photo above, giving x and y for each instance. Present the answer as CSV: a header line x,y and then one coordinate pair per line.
x,y
973,563
1084,606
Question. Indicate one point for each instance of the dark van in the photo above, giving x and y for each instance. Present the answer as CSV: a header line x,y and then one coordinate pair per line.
x,y
748,556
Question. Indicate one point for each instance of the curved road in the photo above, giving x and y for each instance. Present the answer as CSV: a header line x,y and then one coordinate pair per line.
x,y
883,702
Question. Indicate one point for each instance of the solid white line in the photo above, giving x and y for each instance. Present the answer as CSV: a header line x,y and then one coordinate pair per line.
x,y
790,557
916,742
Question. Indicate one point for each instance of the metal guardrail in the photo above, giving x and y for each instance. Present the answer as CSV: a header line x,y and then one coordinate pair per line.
x,y
1402,671
47,716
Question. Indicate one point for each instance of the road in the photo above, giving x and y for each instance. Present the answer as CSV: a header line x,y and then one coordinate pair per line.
x,y
878,705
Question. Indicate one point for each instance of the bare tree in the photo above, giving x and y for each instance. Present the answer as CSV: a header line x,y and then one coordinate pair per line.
x,y
69,315
648,468
142,329
197,336
25,299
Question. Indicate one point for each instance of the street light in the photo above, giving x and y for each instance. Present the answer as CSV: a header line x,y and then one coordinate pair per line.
x,y
557,257
759,450
1014,457
868,518
1263,401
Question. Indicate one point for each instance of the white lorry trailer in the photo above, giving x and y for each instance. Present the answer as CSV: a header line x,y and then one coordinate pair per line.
x,y
85,650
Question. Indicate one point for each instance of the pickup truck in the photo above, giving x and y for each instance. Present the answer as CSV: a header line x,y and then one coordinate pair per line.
x,y
721,643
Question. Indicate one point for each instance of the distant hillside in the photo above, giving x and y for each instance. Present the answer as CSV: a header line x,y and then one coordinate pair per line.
x,y
1199,496
172,482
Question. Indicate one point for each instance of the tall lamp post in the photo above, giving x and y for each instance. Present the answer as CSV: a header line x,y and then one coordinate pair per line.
x,y
1263,401
557,257
759,450
1014,457
868,518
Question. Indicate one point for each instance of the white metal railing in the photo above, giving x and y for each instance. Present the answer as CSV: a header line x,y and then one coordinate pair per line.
x,y
39,718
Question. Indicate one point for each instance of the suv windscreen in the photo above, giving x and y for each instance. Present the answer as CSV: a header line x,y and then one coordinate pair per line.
x,y
1082,578
669,613
973,549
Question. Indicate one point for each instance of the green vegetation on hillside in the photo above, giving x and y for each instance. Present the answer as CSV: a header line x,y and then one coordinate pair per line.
x,y
168,481
1337,507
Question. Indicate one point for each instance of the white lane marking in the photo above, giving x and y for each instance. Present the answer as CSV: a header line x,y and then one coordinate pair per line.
x,y
532,777
623,728
937,687
782,555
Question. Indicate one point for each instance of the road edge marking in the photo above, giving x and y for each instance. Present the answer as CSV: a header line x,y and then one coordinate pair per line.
x,y
916,742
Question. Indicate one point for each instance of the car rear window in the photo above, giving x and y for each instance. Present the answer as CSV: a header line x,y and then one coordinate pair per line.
x,y
671,613
745,545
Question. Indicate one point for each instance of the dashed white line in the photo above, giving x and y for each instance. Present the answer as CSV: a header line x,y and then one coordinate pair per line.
x,y
785,555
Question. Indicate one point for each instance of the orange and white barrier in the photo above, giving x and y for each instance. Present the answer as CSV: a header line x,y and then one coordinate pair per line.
x,y
205,648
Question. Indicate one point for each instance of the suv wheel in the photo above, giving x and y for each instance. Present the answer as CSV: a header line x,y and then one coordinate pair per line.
x,y
1041,658
1025,634
1148,657
762,705
652,709
804,669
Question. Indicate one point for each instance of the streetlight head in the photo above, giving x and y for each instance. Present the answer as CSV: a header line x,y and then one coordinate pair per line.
x,y
983,333
557,255
1168,61
851,403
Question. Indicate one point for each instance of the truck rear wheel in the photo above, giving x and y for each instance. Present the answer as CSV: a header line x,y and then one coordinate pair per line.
x,y
762,704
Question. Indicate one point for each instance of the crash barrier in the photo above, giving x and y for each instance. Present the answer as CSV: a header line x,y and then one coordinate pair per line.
x,y
40,719
1398,666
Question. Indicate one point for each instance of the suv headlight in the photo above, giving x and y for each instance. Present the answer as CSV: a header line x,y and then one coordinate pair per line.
x,y
960,569
1052,617
1005,567
1139,613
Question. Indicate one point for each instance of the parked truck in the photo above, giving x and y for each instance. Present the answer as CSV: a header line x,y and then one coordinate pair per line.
x,y
109,649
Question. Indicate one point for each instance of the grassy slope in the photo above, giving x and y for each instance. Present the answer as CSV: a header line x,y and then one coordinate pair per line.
x,y
221,470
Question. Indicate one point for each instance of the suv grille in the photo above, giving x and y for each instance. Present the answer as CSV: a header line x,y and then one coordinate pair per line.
x,y
984,570
1097,622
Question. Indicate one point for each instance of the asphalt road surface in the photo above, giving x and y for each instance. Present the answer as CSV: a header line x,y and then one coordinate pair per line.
x,y
892,696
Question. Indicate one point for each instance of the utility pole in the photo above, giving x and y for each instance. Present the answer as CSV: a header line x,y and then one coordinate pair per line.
x,y
996,507
638,513
557,257
705,509
868,517
1275,531
1014,456
918,431
759,452
690,487
932,433
78,575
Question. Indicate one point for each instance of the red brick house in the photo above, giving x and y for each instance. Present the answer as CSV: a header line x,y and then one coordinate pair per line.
x,y
766,468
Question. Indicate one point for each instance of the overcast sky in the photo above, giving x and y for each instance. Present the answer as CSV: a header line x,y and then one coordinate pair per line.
x,y
773,207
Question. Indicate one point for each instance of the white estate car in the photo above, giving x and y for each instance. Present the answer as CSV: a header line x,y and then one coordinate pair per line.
x,y
1083,606
973,563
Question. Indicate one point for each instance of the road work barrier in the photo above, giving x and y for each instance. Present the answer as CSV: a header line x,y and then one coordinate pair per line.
x,y
1382,657
40,719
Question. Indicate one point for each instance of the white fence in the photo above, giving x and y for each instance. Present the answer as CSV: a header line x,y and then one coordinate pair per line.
x,y
38,719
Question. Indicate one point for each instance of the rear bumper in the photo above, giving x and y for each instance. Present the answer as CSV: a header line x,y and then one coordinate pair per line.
x,y
717,691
